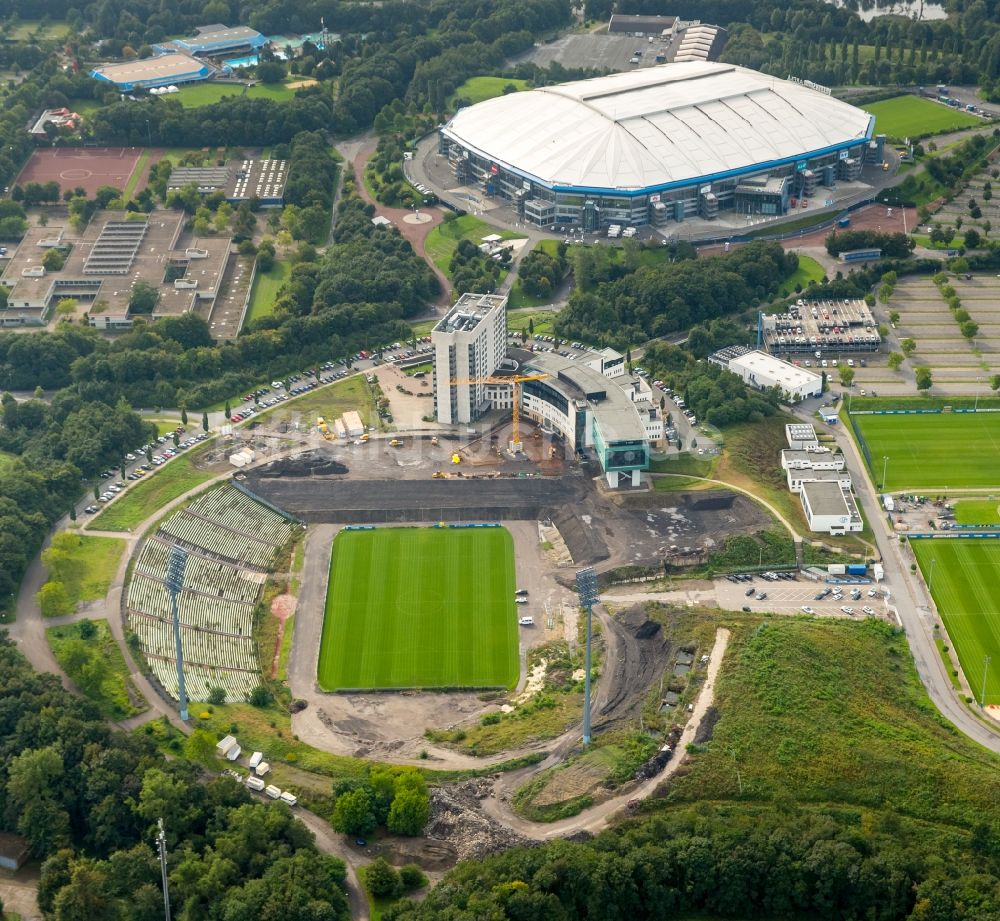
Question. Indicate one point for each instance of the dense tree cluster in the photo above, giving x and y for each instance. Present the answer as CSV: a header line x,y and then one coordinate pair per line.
x,y
472,269
540,272
894,245
88,799
656,300
238,121
392,797
312,174
766,865
710,392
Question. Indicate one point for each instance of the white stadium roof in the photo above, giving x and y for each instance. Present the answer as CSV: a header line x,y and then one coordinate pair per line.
x,y
657,127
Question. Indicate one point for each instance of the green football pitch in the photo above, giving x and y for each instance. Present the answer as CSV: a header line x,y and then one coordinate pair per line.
x,y
935,451
966,589
420,608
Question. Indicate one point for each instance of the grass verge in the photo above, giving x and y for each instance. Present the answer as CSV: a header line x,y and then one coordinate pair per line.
x,y
173,479
265,290
89,655
91,565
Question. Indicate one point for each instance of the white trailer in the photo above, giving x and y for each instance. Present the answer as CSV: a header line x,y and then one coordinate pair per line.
x,y
289,798
255,783
272,791
256,759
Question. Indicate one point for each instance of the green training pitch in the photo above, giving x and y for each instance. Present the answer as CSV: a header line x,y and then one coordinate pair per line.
x,y
934,452
977,511
420,608
912,116
966,590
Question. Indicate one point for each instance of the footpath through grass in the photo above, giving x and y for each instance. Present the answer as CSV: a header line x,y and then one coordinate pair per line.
x,y
914,116
923,450
89,655
142,499
966,589
832,712
420,608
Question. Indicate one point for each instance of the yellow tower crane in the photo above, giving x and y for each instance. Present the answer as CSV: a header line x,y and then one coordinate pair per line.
x,y
515,381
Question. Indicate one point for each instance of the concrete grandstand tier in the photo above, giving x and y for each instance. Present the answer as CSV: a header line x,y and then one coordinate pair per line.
x,y
646,132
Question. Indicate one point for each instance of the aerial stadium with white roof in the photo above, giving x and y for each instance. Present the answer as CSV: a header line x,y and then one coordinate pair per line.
x,y
661,144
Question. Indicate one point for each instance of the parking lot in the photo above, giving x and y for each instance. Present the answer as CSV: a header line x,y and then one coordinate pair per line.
x,y
786,597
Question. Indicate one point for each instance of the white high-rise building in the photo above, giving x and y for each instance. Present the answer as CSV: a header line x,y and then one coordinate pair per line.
x,y
469,344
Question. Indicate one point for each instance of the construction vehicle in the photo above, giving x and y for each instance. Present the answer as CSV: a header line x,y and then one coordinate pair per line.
x,y
514,381
364,438
395,443
439,475
456,459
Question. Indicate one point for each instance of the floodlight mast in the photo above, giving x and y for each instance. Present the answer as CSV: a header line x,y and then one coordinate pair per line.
x,y
586,585
161,849
176,564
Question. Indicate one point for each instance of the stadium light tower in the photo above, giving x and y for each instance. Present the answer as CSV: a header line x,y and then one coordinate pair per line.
x,y
161,849
586,585
176,564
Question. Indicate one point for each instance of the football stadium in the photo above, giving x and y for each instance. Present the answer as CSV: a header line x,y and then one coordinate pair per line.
x,y
660,144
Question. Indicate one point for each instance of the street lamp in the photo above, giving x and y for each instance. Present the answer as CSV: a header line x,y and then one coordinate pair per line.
x,y
930,580
986,667
586,585
885,463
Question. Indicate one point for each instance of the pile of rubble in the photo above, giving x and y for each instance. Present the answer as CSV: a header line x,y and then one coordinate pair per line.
x,y
456,817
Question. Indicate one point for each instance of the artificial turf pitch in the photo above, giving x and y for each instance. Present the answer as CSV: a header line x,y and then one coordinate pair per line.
x,y
966,590
936,451
420,608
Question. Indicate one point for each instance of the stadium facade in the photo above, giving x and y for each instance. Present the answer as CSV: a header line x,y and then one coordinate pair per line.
x,y
656,145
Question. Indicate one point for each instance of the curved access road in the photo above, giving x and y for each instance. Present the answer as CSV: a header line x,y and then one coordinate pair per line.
x,y
915,609
598,817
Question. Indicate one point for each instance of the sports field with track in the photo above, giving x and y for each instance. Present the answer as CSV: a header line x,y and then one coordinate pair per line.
x,y
966,589
934,451
420,608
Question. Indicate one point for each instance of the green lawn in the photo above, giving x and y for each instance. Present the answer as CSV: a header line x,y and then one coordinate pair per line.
x,y
265,289
977,511
913,116
478,89
442,240
420,607
539,320
966,590
133,180
28,28
328,402
809,270
89,655
922,450
93,562
142,499
196,95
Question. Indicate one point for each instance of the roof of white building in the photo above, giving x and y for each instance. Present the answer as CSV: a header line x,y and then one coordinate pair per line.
x,y
786,375
657,126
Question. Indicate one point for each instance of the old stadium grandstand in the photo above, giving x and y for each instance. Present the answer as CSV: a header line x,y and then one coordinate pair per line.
x,y
231,541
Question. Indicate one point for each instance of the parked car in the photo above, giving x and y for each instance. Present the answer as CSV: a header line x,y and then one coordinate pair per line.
x,y
750,591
